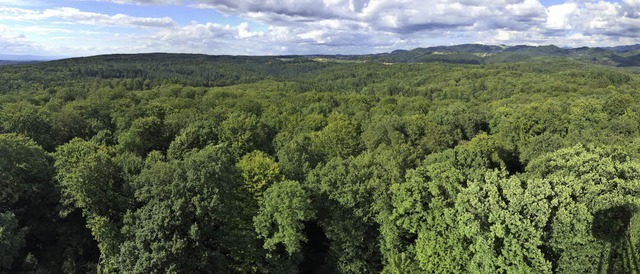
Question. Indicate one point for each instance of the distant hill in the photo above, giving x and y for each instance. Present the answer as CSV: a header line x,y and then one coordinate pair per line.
x,y
620,56
8,62
624,48
481,54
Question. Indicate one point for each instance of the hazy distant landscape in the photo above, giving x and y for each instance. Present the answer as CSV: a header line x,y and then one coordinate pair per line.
x,y
464,54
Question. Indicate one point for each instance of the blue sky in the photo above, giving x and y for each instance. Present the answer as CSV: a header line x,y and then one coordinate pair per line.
x,y
256,27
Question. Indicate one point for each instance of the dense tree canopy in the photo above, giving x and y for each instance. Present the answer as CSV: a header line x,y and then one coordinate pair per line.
x,y
217,164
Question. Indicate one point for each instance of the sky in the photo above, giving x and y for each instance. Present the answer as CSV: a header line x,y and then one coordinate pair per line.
x,y
273,27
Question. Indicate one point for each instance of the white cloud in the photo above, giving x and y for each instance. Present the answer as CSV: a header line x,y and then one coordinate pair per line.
x,y
209,31
21,3
209,38
18,44
405,16
87,18
244,32
352,26
596,18
144,2
632,8
365,26
559,16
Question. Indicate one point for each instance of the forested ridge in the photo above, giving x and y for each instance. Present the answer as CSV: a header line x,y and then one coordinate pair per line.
x,y
176,163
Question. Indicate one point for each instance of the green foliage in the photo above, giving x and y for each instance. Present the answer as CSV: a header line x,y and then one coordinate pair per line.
x,y
196,136
190,217
24,169
91,180
191,163
424,215
282,215
259,171
340,138
243,132
503,220
595,197
352,200
296,157
28,194
29,120
11,239
145,135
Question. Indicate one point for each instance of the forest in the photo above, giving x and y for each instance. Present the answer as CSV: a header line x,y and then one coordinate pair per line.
x,y
179,163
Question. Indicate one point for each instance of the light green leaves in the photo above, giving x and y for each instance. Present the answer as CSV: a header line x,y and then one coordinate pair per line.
x,y
281,218
259,171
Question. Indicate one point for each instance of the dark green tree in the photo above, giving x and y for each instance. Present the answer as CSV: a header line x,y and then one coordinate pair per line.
x,y
92,181
11,239
190,217
29,120
340,138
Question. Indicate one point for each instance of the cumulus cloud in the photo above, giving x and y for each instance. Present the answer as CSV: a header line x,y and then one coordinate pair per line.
x,y
208,31
144,2
17,44
631,8
362,26
87,18
406,16
559,16
595,19
210,38
380,24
